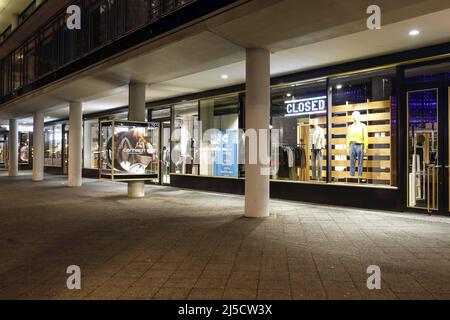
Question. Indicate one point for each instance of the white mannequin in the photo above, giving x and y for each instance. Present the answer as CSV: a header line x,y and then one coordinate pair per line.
x,y
317,137
316,145
357,144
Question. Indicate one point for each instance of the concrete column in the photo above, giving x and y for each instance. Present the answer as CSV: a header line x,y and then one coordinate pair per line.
x,y
13,149
257,117
14,21
38,147
136,112
75,144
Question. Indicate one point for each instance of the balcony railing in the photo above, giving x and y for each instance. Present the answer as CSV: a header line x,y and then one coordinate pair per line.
x,y
54,45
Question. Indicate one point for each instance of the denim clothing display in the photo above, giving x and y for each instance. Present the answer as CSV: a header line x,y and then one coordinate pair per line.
x,y
358,133
316,163
356,153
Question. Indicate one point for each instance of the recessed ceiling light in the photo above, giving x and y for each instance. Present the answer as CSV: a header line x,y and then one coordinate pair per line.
x,y
414,33
339,86
289,95
224,76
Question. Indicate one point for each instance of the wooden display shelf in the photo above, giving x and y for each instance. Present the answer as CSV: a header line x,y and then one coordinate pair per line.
x,y
364,117
372,140
369,163
377,116
383,128
366,175
370,152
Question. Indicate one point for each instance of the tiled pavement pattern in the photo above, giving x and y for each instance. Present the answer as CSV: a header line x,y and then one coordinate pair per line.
x,y
180,244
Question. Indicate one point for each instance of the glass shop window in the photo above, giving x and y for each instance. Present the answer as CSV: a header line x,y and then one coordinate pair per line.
x,y
53,146
91,151
3,149
219,141
424,74
185,139
299,120
160,114
363,128
24,147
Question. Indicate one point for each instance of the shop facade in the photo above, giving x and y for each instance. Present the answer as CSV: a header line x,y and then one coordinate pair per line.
x,y
369,134
25,157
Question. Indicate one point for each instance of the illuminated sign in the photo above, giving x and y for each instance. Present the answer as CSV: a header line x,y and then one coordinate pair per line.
x,y
295,108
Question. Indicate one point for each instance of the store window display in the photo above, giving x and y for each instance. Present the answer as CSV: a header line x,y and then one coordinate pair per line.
x,y
423,148
24,147
91,152
163,116
53,146
299,119
317,146
363,146
185,139
219,145
129,150
357,144
3,148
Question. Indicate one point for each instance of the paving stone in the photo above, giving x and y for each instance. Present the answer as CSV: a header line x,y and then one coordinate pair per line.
x,y
172,294
239,294
179,244
274,295
206,294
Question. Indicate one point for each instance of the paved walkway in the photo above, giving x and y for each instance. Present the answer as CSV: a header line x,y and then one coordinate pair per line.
x,y
179,244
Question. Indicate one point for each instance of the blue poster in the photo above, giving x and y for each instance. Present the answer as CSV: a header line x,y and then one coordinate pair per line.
x,y
226,153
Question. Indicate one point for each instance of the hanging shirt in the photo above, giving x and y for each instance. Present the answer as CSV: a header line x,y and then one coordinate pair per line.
x,y
317,139
357,133
290,157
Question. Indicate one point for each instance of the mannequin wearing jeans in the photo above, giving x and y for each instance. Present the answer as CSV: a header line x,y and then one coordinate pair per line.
x,y
317,143
357,143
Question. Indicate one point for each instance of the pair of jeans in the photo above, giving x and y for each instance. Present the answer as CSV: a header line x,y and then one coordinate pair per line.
x,y
356,153
316,166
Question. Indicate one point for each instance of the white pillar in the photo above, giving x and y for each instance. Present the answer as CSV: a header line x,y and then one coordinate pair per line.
x,y
257,117
75,144
136,112
38,146
13,149
136,105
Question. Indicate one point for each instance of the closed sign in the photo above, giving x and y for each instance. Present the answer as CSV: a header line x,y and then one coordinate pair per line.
x,y
306,106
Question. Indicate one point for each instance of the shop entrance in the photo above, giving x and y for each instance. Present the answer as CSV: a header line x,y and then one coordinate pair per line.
x,y
165,152
66,150
428,140
163,117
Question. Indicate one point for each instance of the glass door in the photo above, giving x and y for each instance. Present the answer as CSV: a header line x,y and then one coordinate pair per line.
x,y
165,152
423,149
447,167
66,150
163,117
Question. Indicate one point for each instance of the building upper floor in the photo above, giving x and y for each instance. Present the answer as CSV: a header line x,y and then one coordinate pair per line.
x,y
28,56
